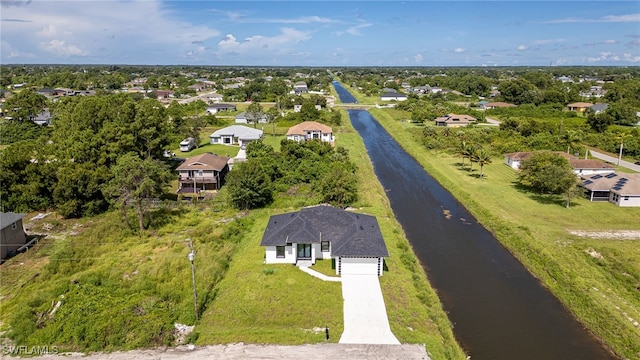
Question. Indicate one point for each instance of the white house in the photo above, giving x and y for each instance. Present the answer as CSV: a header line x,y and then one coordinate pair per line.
x,y
235,135
309,130
187,144
297,107
353,241
216,108
390,96
621,189
246,118
580,166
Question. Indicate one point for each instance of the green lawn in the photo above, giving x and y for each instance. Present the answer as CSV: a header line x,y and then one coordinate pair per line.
x,y
597,279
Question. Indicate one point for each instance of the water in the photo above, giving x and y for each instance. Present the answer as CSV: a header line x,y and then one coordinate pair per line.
x,y
498,309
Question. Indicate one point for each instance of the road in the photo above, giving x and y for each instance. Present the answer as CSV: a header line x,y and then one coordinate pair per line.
x,y
614,160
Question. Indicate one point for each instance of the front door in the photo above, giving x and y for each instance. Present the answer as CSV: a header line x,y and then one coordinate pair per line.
x,y
304,251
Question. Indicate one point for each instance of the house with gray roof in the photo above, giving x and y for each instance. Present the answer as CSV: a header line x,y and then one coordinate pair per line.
x,y
352,240
216,108
235,135
621,189
599,108
246,118
12,235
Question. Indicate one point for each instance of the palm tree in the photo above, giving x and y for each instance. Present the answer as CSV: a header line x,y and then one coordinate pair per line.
x,y
572,139
482,157
621,136
464,150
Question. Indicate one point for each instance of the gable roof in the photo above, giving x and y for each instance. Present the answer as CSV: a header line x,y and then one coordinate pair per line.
x,y
6,219
239,131
206,161
350,234
393,95
599,107
580,105
221,106
305,126
451,118
590,164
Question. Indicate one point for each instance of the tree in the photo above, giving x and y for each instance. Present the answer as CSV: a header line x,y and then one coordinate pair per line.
x,y
548,173
464,150
599,122
249,185
25,105
308,112
571,139
482,157
339,186
254,113
272,115
135,182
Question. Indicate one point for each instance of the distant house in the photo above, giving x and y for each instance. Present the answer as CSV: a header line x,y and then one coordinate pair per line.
x,y
391,96
47,92
579,106
202,172
216,108
246,118
300,87
599,108
235,135
198,87
580,166
165,94
621,189
454,120
352,240
499,104
297,108
12,234
310,130
214,98
43,118
187,144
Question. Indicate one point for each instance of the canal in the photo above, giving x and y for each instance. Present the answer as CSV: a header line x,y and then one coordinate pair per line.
x,y
498,309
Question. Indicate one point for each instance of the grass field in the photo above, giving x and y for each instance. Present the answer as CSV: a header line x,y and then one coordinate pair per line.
x,y
597,279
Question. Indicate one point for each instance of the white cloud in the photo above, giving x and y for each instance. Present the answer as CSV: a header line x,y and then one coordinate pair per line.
x,y
604,56
288,36
522,47
604,19
60,48
355,30
418,58
547,41
459,50
631,58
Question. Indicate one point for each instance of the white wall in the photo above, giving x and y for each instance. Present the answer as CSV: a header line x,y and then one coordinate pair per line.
x,y
620,200
289,255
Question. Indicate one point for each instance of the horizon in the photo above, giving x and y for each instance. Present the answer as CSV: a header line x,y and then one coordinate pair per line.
x,y
321,33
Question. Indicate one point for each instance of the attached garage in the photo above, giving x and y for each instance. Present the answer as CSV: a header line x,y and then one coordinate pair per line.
x,y
359,266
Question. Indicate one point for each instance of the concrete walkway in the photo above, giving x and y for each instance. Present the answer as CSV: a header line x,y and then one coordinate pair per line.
x,y
365,316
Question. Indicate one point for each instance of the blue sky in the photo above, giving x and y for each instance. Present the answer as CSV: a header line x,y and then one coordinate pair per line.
x,y
321,33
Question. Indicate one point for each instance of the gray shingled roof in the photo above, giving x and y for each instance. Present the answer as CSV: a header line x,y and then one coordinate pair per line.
x,y
350,234
9,218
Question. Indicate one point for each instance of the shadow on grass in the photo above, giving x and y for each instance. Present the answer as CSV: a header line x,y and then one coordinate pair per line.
x,y
547,199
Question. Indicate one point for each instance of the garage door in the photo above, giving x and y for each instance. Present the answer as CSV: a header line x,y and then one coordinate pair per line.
x,y
358,266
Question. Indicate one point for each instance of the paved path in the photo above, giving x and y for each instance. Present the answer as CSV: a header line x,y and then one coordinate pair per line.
x,y
614,160
319,275
365,316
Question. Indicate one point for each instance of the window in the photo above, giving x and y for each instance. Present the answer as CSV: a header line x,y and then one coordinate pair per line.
x,y
200,173
324,245
626,198
14,226
279,251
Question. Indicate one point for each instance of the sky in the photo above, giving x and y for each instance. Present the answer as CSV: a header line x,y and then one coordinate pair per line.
x,y
320,33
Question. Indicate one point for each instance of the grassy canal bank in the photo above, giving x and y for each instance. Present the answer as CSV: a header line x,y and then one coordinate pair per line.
x,y
597,279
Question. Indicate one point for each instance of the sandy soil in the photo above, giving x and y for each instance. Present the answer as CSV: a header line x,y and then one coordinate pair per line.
x,y
253,351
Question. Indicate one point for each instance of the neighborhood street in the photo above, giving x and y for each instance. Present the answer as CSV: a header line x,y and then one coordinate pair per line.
x,y
614,160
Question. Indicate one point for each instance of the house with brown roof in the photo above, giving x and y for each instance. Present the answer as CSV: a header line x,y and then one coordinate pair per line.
x,y
454,120
580,166
579,106
310,130
202,172
621,189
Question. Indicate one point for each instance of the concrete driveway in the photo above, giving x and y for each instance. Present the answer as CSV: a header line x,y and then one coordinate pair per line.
x,y
365,316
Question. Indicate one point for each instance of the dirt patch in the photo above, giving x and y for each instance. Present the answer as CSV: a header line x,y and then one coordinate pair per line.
x,y
253,351
610,234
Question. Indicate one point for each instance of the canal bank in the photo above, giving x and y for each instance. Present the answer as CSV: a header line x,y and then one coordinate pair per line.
x,y
498,309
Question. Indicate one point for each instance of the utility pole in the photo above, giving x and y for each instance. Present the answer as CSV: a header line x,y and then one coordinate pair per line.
x,y
191,257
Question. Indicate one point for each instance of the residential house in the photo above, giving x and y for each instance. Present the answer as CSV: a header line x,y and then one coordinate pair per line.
x,y
498,104
436,89
594,92
352,240
12,234
454,120
216,108
46,92
599,108
621,189
579,106
235,135
421,89
187,144
310,130
198,87
216,98
300,87
43,117
246,118
165,94
580,166
390,96
202,172
297,108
